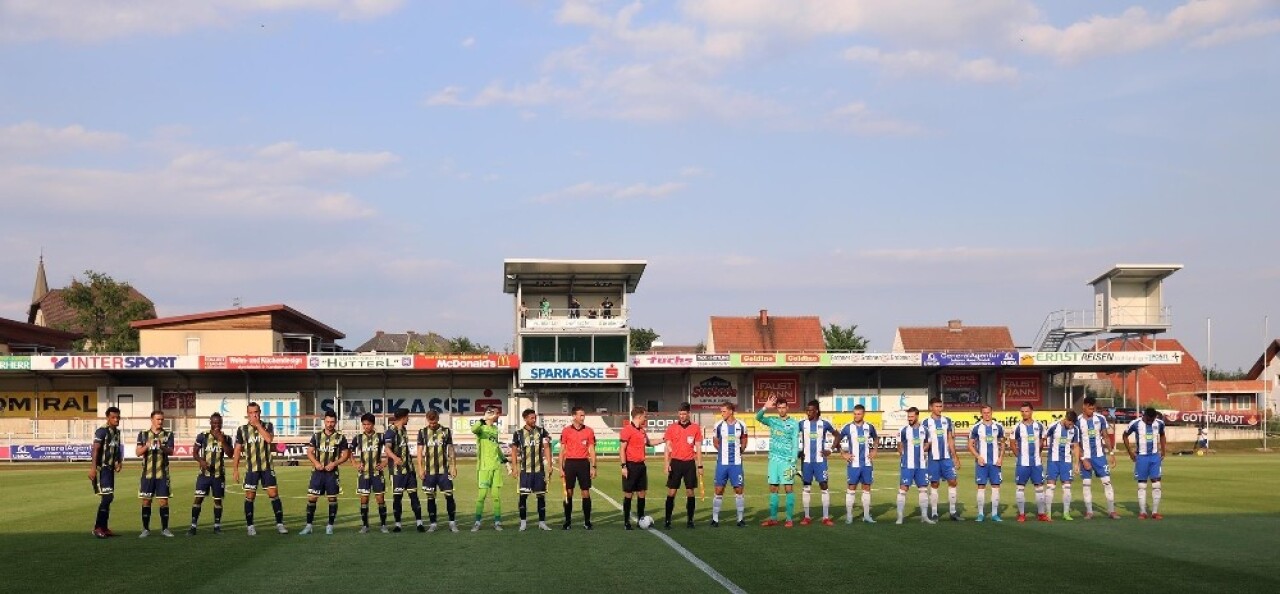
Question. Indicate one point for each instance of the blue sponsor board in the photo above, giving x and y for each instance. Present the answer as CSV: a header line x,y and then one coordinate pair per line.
x,y
969,359
75,451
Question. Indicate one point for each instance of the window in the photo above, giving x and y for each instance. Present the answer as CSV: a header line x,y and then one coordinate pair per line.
x,y
611,349
575,349
539,349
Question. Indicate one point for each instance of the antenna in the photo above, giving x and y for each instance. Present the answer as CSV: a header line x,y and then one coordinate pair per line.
x,y
235,302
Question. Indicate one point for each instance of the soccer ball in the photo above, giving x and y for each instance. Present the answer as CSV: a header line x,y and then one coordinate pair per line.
x,y
645,522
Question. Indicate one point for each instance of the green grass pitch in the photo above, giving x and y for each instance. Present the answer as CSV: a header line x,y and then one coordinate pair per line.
x,y
1221,533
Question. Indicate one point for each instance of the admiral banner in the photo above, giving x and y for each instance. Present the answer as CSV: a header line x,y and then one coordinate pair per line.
x,y
1100,358
969,359
48,405
114,363
711,391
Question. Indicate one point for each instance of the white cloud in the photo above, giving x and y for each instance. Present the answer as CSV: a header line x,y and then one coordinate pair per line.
x,y
1134,29
1236,33
590,190
277,180
97,20
32,138
468,42
917,62
861,120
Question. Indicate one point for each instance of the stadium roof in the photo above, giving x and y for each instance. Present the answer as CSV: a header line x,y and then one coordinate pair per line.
x,y
565,276
283,318
21,334
1148,272
1256,371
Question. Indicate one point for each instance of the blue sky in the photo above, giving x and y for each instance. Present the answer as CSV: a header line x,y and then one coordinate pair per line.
x,y
885,163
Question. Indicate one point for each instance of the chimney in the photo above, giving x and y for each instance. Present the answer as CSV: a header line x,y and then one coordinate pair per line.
x,y
378,333
764,317
954,325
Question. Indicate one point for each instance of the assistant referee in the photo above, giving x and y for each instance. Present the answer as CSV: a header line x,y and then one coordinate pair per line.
x,y
577,465
684,462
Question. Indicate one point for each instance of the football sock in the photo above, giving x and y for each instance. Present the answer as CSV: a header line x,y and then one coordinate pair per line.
x,y
791,504
1142,498
311,512
716,502
586,510
982,500
397,506
278,507
826,503
195,515
450,506
866,505
671,507
542,507
1040,499
804,499
568,510
364,514
248,512
484,494
995,501
1066,499
1110,492
1087,487
146,517
902,502
432,510
1156,492
217,512
849,496
933,501
1049,495
689,505
1021,498
523,506
415,505
164,517
773,505
639,507
951,498
333,511
741,502
924,503
382,514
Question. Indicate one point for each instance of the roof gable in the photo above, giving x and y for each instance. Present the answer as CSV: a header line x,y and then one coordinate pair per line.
x,y
278,317
767,334
963,338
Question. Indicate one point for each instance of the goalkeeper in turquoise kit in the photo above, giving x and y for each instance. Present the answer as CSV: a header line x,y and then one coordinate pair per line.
x,y
784,449
489,463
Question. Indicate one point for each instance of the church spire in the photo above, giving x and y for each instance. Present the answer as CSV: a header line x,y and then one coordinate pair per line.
x,y
42,284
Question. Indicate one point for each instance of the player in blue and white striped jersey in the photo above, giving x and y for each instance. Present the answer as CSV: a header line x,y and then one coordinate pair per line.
x,y
987,443
913,450
730,439
1097,456
1028,438
1147,454
815,432
1063,438
942,458
860,453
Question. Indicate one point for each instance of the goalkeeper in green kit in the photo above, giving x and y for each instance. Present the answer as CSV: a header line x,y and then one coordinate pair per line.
x,y
783,451
489,462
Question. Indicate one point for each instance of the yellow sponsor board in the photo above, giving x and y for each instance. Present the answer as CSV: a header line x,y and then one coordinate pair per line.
x,y
48,405
963,420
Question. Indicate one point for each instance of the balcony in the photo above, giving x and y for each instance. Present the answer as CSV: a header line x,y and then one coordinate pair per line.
x,y
573,319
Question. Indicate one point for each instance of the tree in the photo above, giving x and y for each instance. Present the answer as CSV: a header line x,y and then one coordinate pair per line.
x,y
103,310
1216,374
642,339
461,345
839,338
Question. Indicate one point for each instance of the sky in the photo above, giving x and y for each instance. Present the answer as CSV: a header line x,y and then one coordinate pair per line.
x,y
873,162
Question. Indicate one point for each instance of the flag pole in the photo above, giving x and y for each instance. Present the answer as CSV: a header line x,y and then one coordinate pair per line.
x,y
1266,377
1208,370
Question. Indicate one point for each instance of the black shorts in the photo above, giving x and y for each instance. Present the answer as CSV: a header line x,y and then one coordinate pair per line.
x,y
405,481
637,478
533,483
683,470
577,472
214,486
437,482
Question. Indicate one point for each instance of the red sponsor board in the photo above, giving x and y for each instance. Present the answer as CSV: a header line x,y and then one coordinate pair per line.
x,y
172,400
183,451
251,362
467,362
1234,418
1022,388
960,390
784,386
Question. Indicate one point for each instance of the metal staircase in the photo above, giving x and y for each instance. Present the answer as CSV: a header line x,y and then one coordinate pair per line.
x,y
1062,325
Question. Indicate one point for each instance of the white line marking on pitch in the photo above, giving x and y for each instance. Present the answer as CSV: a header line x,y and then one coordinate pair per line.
x,y
690,557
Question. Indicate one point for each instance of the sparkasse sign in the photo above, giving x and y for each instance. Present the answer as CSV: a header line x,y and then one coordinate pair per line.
x,y
573,372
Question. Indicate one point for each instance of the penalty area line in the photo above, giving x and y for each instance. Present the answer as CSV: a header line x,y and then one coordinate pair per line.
x,y
690,557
